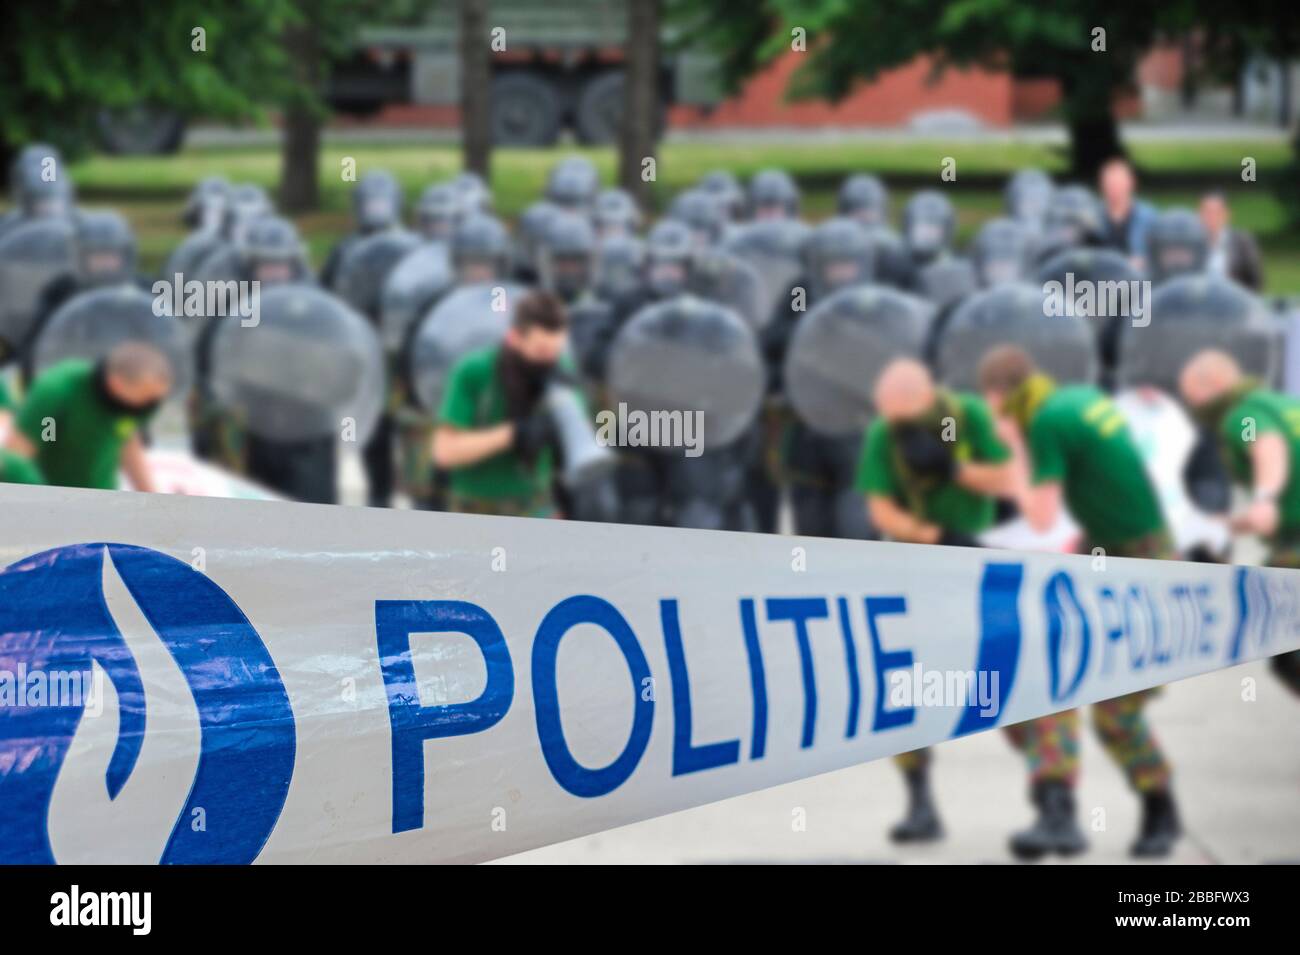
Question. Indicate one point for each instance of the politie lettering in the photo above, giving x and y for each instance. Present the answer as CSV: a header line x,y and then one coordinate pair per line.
x,y
412,723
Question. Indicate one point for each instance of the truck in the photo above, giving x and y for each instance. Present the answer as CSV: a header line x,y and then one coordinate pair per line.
x,y
556,68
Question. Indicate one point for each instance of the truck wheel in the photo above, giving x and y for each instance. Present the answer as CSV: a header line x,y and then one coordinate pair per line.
x,y
600,109
525,111
140,130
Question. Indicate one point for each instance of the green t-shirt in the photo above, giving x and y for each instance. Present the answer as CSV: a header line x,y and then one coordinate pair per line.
x,y
16,469
949,505
6,396
1260,412
88,434
475,398
1078,437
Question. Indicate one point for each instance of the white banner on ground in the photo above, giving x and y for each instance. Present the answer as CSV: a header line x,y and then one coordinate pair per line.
x,y
199,680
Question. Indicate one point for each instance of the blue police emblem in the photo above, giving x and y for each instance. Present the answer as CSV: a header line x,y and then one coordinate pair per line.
x,y
54,619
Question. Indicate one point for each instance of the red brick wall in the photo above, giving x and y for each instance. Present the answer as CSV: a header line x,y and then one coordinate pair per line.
x,y
892,99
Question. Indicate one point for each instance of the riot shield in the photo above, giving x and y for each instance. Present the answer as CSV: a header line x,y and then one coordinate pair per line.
x,y
773,248
839,349
1110,284
366,265
731,281
946,281
308,368
32,255
686,357
1063,346
1189,314
193,250
90,324
590,325
464,320
413,285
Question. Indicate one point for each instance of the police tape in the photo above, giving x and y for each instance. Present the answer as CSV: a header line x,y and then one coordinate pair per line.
x,y
278,682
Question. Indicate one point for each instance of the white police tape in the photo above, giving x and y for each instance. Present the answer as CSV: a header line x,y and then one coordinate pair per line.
x,y
293,683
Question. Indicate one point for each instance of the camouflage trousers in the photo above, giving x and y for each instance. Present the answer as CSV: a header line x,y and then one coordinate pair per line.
x,y
1050,744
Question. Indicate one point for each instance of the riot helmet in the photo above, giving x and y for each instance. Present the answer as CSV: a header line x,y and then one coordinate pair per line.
x,y
836,254
1002,252
573,183
864,198
1176,245
929,222
1027,195
615,213
565,263
377,202
773,195
480,248
105,249
669,248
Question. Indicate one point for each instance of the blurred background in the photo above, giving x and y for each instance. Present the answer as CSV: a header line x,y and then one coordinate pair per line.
x,y
283,90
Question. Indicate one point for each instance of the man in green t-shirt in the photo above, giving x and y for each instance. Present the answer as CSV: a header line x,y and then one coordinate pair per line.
x,y
80,421
1258,433
930,466
1076,450
14,468
494,433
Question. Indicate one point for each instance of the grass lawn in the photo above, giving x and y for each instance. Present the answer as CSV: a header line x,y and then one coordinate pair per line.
x,y
150,189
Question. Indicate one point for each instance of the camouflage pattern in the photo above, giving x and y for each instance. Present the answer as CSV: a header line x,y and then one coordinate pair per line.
x,y
915,761
1051,743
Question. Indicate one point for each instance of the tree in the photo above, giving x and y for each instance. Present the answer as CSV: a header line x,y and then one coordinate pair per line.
x,y
639,129
317,35
61,61
303,114
1091,47
475,88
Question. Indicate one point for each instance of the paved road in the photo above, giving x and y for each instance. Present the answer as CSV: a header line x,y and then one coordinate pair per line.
x,y
1237,769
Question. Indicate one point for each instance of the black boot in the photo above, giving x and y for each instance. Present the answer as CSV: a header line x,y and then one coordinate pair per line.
x,y
1160,826
921,824
1055,829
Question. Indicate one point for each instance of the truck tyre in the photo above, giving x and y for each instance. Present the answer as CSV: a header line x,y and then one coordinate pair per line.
x,y
600,109
525,111
140,131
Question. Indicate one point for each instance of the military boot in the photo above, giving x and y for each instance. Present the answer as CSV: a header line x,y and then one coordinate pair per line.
x,y
1160,826
921,824
1055,830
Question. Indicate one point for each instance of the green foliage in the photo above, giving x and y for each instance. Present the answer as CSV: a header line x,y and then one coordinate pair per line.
x,y
61,60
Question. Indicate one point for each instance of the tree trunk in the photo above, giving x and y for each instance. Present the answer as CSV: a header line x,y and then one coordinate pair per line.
x,y
475,88
639,130
1089,94
1093,140
300,145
